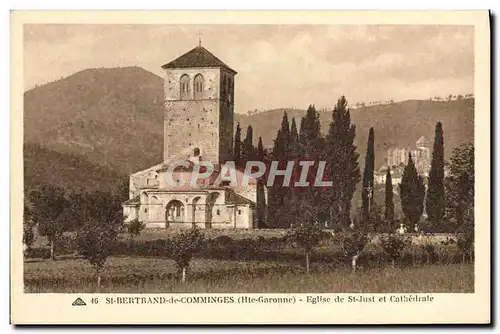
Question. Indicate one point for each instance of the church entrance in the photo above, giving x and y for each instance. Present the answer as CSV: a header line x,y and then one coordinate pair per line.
x,y
174,213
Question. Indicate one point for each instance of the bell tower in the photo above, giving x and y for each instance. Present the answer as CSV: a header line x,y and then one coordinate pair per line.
x,y
199,107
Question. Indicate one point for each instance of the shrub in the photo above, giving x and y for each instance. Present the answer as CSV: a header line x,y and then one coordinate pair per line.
x,y
28,237
38,253
65,244
393,245
429,250
135,227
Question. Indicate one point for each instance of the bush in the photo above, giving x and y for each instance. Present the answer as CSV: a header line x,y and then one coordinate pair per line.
x,y
38,253
429,250
65,244
135,227
393,245
28,237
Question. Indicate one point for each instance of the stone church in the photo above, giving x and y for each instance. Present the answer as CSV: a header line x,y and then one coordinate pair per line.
x,y
198,126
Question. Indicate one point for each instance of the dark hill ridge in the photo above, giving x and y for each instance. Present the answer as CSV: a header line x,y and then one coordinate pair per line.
x,y
68,171
113,118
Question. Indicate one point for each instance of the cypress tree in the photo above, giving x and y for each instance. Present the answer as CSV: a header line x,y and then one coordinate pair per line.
x,y
311,148
277,193
412,193
237,146
435,203
389,204
261,196
294,140
367,192
310,138
248,150
342,166
292,193
282,151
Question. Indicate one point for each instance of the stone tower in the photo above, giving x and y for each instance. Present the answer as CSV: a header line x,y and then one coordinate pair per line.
x,y
199,107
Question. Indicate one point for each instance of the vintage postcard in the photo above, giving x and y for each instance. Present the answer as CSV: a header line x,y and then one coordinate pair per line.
x,y
250,167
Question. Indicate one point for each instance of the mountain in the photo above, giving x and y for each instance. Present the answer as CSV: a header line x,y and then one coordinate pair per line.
x,y
97,126
112,117
399,124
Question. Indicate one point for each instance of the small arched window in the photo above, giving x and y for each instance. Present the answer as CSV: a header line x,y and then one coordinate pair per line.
x,y
184,87
198,87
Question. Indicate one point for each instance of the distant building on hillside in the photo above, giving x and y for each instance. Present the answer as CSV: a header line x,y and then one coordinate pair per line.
x,y
397,159
421,156
396,174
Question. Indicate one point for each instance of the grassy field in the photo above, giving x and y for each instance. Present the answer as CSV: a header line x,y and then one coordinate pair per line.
x,y
148,275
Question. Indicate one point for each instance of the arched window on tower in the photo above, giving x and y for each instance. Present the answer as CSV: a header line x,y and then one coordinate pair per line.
x,y
198,87
184,87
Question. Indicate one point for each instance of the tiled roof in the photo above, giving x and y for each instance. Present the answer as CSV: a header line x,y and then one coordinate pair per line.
x,y
235,198
132,201
197,57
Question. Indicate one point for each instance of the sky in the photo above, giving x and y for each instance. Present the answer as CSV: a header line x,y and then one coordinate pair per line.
x,y
279,66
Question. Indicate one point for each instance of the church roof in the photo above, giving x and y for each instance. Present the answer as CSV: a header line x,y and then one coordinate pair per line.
x,y
235,198
132,201
198,57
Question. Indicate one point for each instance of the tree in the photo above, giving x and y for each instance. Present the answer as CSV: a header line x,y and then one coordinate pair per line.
x,y
389,204
393,245
248,150
435,202
291,193
28,233
412,192
311,144
353,244
306,235
237,146
261,194
465,241
95,240
277,193
341,166
460,187
49,204
185,245
367,192
99,220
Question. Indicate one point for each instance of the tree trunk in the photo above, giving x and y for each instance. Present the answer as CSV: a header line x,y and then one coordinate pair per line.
x,y
52,253
463,258
183,279
98,279
354,260
307,262
393,263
